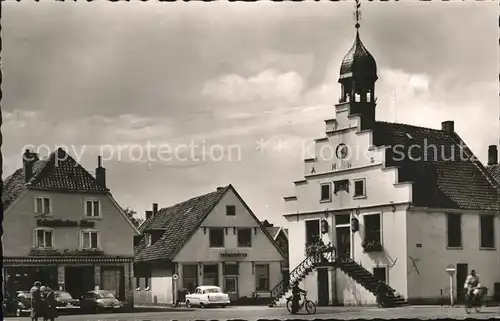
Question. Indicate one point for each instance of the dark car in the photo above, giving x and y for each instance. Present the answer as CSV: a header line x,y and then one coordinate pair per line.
x,y
98,301
66,303
23,303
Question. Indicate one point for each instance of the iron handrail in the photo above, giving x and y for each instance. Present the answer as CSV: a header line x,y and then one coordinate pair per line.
x,y
299,270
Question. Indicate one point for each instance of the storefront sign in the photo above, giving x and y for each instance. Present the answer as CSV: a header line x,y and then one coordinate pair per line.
x,y
233,255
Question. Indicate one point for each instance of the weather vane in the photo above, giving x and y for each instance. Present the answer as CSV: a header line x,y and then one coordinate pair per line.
x,y
357,14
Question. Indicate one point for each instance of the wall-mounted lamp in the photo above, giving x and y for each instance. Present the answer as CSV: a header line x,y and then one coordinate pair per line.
x,y
253,267
204,230
225,229
234,230
200,266
326,213
324,226
358,210
393,207
255,230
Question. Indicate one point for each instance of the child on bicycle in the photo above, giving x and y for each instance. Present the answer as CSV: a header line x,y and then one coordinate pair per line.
x,y
296,291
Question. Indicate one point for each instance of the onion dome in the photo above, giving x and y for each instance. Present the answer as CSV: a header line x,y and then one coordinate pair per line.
x,y
358,62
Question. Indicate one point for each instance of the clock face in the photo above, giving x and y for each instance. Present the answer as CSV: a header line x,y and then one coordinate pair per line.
x,y
342,151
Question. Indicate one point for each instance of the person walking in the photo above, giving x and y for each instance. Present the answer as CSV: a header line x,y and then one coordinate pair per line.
x,y
50,304
36,301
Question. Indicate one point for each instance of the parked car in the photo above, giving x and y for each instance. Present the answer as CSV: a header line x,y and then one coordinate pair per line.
x,y
66,303
98,301
23,303
9,304
207,295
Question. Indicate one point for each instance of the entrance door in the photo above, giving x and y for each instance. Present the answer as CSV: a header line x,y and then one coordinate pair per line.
x,y
112,280
231,287
312,231
462,272
323,289
380,273
78,280
344,240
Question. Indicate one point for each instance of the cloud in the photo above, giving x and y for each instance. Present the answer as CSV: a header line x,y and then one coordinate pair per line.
x,y
266,85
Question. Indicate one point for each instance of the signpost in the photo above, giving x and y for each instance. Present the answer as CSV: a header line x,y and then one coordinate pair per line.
x,y
450,269
175,277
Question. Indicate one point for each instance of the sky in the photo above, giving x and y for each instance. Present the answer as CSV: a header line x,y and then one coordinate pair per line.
x,y
180,98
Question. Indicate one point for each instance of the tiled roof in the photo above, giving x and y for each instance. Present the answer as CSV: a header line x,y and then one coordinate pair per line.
x,y
494,171
451,177
61,173
273,230
176,225
179,223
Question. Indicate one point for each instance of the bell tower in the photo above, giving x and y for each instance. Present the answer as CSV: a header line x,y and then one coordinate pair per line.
x,y
358,74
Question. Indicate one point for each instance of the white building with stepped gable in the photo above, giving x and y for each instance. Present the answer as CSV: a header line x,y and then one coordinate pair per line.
x,y
398,203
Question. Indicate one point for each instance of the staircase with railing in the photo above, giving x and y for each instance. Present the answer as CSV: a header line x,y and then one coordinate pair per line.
x,y
323,255
327,255
368,281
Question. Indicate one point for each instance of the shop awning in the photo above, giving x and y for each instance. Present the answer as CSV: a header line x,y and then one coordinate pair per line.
x,y
66,260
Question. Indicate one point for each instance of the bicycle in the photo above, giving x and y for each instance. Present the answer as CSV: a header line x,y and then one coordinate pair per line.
x,y
309,305
475,300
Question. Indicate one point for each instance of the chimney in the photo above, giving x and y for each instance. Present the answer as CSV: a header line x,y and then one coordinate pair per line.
x,y
29,160
492,155
155,208
220,188
149,214
448,126
100,173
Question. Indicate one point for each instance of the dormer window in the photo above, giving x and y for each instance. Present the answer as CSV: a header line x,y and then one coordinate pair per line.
x,y
92,208
42,205
148,238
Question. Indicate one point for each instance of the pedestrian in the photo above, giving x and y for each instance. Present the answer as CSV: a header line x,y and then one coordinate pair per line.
x,y
36,301
50,306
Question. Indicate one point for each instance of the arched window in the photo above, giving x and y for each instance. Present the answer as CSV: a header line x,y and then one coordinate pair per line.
x,y
369,96
90,239
43,237
357,98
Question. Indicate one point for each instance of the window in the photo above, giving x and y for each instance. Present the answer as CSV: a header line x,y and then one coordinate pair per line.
x,y
190,277
216,237
261,277
90,239
230,210
230,269
372,227
211,274
92,208
148,239
359,187
312,231
487,231
342,185
44,238
343,219
42,205
454,230
325,192
245,237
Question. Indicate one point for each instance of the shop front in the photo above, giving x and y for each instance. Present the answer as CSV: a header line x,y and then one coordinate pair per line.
x,y
76,275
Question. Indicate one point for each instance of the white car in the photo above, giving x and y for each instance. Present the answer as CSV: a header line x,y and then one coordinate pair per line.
x,y
207,295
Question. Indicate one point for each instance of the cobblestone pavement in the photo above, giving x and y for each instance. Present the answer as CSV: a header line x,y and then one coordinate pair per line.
x,y
255,313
